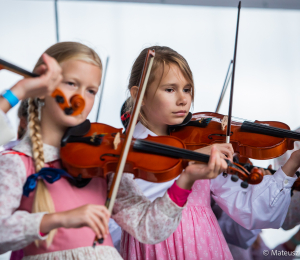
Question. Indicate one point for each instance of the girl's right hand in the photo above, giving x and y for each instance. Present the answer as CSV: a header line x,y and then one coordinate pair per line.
x,y
195,171
94,216
51,77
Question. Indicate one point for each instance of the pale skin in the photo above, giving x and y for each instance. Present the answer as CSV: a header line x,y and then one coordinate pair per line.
x,y
35,87
78,77
167,102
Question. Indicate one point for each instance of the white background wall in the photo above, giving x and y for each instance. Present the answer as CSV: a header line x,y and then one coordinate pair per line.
x,y
268,57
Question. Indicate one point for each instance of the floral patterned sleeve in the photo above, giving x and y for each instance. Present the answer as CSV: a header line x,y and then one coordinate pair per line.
x,y
17,228
149,222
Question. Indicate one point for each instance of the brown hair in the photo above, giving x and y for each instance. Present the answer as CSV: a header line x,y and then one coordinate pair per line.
x,y
61,52
163,56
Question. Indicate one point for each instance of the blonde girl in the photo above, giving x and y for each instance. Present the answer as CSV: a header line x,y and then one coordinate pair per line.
x,y
169,95
59,220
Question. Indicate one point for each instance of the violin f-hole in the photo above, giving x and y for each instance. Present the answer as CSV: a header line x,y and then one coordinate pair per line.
x,y
108,154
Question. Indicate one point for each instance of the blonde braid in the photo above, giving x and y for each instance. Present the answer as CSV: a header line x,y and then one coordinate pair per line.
x,y
35,135
42,199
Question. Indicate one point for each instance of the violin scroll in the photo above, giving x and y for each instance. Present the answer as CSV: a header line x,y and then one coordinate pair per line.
x,y
76,101
239,172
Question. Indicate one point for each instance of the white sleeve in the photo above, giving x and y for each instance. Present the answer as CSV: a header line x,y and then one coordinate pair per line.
x,y
293,215
235,234
7,132
149,222
17,228
259,206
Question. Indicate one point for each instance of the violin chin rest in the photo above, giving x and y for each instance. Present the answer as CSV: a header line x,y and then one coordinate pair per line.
x,y
79,130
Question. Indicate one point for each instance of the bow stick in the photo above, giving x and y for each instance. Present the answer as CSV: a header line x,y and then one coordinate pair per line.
x,y
225,85
233,74
102,88
110,201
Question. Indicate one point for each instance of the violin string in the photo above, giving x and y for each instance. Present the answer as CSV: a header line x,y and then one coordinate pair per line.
x,y
230,164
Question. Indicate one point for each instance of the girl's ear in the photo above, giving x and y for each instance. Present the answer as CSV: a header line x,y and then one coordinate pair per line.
x,y
134,91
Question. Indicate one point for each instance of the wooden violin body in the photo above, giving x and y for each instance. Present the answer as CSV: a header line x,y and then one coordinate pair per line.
x,y
93,150
259,140
89,160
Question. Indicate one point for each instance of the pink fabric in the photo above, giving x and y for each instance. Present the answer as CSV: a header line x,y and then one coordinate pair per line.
x,y
198,235
66,197
178,195
42,234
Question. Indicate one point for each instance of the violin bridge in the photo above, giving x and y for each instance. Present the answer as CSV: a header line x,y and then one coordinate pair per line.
x,y
93,137
117,140
224,122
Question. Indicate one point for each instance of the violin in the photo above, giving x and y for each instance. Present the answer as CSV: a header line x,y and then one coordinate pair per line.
x,y
93,150
77,103
260,140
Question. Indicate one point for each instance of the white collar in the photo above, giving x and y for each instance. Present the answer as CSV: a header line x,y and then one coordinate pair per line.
x,y
141,131
51,153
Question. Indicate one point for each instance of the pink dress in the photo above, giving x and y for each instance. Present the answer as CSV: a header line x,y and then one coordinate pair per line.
x,y
150,222
198,235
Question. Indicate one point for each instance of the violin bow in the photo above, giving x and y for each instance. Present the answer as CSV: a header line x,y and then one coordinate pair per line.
x,y
102,88
232,80
225,85
110,201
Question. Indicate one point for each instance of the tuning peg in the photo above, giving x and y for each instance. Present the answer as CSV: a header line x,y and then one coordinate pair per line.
x,y
234,178
244,184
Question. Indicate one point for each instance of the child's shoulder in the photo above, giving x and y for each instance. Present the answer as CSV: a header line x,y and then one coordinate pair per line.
x,y
18,158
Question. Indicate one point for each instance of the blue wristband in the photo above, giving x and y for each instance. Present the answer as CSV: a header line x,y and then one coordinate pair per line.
x,y
10,97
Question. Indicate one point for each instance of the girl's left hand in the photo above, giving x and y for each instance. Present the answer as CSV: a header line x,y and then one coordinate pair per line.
x,y
195,171
226,150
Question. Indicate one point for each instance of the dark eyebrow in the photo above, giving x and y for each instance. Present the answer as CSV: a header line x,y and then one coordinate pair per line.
x,y
169,85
